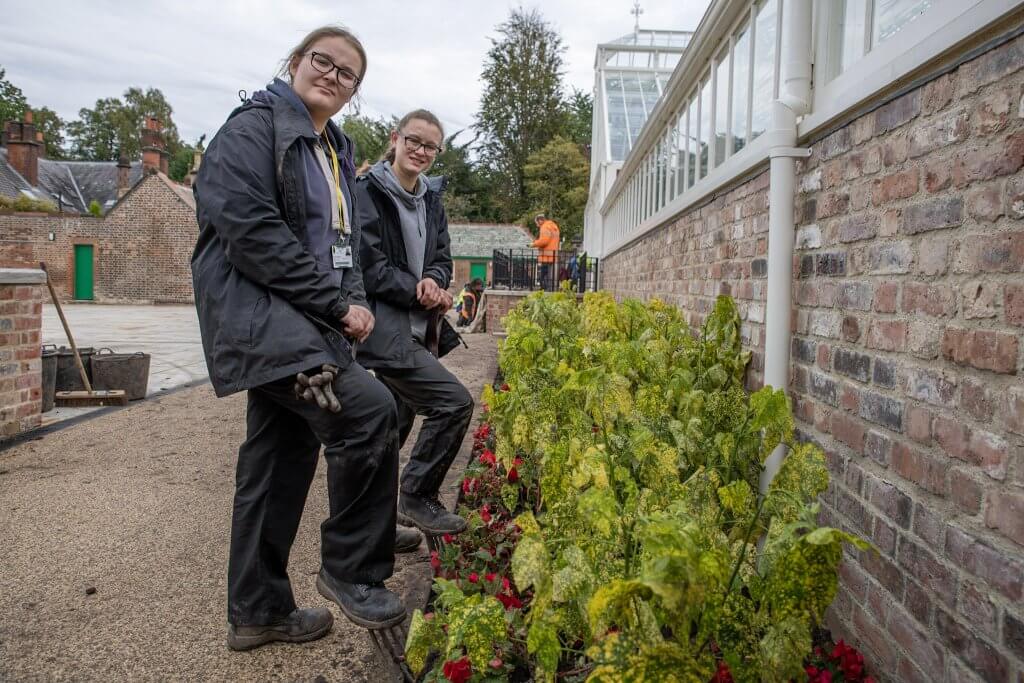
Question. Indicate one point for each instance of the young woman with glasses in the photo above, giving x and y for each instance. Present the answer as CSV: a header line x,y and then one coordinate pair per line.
x,y
407,267
279,292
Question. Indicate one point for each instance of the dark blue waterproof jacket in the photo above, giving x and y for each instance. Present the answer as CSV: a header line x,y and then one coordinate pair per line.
x,y
268,300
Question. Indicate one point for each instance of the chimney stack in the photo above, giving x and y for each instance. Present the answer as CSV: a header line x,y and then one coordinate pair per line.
x,y
24,148
123,167
154,151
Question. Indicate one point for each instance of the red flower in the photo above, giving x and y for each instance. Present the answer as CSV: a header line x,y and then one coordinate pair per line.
x,y
490,576
815,675
517,461
435,561
504,387
722,675
474,577
513,475
458,671
485,514
496,663
509,601
487,458
506,585
483,431
447,538
428,616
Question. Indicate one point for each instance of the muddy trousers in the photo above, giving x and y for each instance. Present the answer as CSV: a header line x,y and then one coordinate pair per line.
x,y
427,388
276,464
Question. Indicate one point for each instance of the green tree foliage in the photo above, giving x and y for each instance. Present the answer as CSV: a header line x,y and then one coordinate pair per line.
x,y
371,136
113,126
181,163
95,209
12,100
579,124
556,179
52,127
521,109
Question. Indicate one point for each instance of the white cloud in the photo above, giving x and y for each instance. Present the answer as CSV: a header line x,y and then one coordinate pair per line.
x,y
65,55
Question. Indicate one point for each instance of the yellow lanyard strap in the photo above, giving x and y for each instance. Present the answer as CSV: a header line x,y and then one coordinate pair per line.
x,y
342,206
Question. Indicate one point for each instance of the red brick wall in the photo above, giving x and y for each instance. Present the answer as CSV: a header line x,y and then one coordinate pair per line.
x,y
141,249
21,312
499,303
906,359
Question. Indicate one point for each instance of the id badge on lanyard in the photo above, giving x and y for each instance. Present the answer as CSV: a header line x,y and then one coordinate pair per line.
x,y
341,251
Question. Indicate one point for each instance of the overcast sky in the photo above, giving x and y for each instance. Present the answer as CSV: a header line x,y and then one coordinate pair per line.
x,y
66,54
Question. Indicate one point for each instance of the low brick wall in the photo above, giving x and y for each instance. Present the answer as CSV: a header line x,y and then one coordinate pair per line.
x,y
499,303
21,320
906,365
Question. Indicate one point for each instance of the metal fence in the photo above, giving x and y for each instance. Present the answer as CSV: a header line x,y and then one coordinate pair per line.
x,y
530,269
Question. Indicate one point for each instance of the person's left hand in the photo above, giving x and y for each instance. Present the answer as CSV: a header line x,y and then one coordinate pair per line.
x,y
447,301
429,294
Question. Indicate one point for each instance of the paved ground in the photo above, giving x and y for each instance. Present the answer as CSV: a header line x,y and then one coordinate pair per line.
x,y
136,504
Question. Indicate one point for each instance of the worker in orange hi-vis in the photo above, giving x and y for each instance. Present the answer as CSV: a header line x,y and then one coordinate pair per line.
x,y
547,242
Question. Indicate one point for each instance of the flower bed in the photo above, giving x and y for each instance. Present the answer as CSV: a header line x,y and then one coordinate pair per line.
x,y
616,529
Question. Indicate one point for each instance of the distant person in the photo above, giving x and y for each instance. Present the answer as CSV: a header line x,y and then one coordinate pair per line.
x,y
468,301
548,237
407,267
276,272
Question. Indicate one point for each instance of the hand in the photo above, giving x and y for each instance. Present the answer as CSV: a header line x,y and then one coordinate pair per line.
x,y
429,294
358,322
447,301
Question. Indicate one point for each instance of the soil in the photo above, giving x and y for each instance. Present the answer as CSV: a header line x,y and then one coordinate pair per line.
x,y
113,548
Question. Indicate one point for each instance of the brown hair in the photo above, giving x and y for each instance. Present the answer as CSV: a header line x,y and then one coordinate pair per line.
x,y
420,114
329,31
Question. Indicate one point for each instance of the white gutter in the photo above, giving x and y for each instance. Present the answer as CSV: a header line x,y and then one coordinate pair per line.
x,y
793,101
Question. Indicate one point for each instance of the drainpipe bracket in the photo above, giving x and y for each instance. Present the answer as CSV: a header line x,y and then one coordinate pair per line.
x,y
792,152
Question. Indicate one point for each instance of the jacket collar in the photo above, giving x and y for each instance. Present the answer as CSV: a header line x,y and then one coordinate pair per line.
x,y
292,122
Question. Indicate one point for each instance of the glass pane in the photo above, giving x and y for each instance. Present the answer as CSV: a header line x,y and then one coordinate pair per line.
x,y
618,137
764,68
681,152
705,126
692,144
740,89
721,107
851,33
892,15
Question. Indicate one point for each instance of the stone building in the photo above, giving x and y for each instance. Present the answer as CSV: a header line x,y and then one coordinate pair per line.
x,y
473,246
851,173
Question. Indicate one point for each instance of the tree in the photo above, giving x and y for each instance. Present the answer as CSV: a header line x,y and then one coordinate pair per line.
x,y
556,184
12,100
113,127
52,127
181,163
580,118
521,108
468,197
371,136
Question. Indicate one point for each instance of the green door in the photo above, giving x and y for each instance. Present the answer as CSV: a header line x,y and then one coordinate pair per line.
x,y
83,271
478,269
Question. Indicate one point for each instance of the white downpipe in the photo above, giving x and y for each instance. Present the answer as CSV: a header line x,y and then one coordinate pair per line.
x,y
793,101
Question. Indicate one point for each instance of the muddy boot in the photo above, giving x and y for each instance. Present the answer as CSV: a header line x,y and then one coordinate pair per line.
x,y
428,515
407,540
300,626
370,605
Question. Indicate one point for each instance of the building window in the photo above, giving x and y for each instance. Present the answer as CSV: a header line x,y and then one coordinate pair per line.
x,y
890,16
740,89
706,136
765,36
721,107
692,143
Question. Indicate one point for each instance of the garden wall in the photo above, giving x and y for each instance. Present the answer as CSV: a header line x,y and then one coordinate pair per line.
x,y
21,310
906,364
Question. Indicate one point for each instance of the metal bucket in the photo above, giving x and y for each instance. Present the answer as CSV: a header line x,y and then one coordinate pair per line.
x,y
49,375
128,371
68,378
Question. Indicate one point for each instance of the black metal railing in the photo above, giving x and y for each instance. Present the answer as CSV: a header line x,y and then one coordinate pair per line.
x,y
531,269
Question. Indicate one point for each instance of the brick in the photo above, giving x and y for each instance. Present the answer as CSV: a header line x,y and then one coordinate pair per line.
x,y
938,175
804,350
933,387
990,452
936,94
895,504
982,349
854,511
835,144
965,491
1002,572
892,258
895,149
808,237
884,374
832,204
926,569
852,364
979,299
933,214
848,430
939,131
849,398
978,609
824,356
1011,410
933,300
1013,634
1002,253
875,640
855,295
1013,304
883,536
887,335
993,113
890,223
1013,201
824,323
977,653
976,400
929,526
824,389
918,602
830,264
885,297
992,65
933,256
759,267
1004,511
854,478
953,436
896,113
991,160
890,576
920,468
882,410
918,644
924,338
896,186
985,203
850,329
878,447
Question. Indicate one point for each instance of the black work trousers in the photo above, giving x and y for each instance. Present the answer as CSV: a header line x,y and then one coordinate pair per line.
x,y
428,389
276,464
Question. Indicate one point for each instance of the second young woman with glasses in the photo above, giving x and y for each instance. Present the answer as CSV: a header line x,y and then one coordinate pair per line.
x,y
407,267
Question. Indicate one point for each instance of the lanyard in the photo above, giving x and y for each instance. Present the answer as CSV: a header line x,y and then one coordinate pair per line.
x,y
342,206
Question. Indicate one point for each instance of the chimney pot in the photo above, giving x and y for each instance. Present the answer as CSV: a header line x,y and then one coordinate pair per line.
x,y
24,148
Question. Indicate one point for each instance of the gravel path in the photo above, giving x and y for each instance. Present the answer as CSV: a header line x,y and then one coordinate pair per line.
x,y
113,549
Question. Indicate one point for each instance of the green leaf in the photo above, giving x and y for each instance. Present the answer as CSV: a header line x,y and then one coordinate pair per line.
x,y
478,624
530,562
424,636
611,603
542,642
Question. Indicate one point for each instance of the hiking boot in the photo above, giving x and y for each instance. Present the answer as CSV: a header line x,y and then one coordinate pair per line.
x,y
428,515
407,540
370,605
300,626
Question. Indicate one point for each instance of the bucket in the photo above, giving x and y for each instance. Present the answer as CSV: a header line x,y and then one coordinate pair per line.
x,y
128,371
49,375
68,378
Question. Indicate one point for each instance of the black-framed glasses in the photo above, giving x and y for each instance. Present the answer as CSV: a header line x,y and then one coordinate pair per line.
x,y
413,144
324,65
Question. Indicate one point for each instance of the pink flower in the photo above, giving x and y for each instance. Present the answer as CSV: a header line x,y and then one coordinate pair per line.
x,y
496,663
